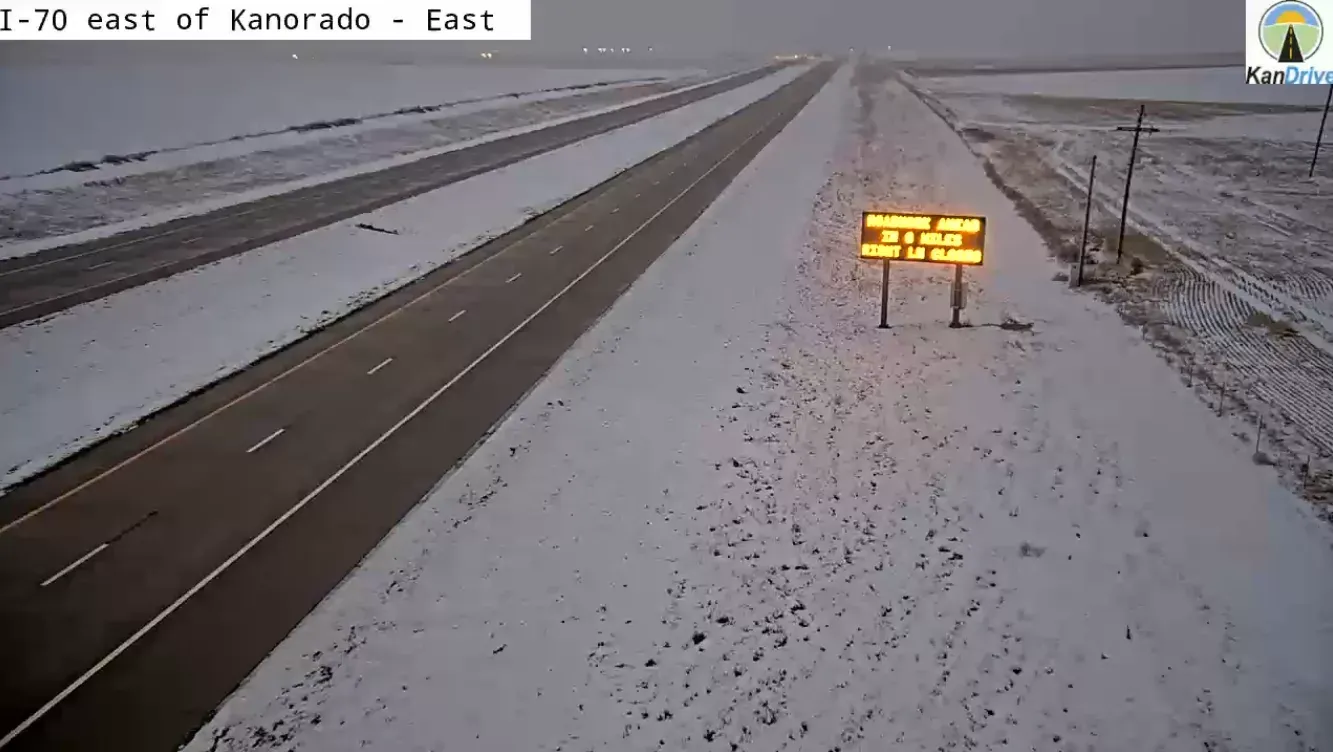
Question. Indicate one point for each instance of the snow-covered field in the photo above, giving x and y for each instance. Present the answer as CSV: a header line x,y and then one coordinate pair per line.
x,y
44,210
52,114
740,517
86,373
1168,84
1234,235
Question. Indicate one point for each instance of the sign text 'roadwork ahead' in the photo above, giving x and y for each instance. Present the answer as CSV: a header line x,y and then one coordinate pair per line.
x,y
932,238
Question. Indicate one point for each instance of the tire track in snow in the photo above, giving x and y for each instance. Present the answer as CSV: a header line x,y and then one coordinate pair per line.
x,y
1222,324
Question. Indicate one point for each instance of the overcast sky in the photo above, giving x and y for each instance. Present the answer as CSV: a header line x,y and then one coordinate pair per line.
x,y
951,27
967,28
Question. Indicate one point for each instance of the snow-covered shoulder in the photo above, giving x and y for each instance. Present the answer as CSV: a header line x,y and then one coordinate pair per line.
x,y
549,574
86,373
738,515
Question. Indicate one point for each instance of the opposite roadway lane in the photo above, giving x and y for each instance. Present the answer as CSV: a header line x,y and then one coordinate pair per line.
x,y
140,582
49,281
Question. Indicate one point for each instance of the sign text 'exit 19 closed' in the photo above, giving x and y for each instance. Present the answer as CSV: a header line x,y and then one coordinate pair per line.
x,y
929,238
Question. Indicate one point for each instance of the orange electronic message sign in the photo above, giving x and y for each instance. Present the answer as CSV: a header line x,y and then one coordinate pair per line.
x,y
932,238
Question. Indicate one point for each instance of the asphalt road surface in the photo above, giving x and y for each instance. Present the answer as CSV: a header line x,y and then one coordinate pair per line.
x,y
50,281
143,580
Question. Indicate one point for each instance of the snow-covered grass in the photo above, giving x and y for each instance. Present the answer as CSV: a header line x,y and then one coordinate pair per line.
x,y
86,373
52,114
1234,235
1169,84
41,215
741,517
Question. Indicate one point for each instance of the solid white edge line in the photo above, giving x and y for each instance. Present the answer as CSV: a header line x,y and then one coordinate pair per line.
x,y
107,283
100,547
336,175
225,565
382,364
6,527
155,267
264,441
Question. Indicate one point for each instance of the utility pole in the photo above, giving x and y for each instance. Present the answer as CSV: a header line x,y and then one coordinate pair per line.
x,y
1133,154
1320,138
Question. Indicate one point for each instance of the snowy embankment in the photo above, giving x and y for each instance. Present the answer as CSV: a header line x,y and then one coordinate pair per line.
x,y
50,210
86,373
60,113
1237,280
740,517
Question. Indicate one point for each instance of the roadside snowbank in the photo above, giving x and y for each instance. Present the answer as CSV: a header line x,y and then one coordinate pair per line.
x,y
95,369
741,517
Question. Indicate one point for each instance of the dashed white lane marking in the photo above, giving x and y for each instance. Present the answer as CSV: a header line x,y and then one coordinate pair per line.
x,y
100,548
192,241
266,440
175,605
457,316
511,279
589,227
613,211
556,250
382,364
99,266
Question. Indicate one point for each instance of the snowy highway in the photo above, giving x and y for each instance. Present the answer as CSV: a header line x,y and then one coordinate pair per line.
x,y
644,474
53,280
737,516
143,580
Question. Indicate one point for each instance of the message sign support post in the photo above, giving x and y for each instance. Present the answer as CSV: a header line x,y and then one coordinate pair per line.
x,y
956,298
956,240
884,298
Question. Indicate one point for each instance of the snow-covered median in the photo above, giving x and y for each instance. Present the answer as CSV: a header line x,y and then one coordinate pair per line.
x,y
737,516
72,112
93,370
49,210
